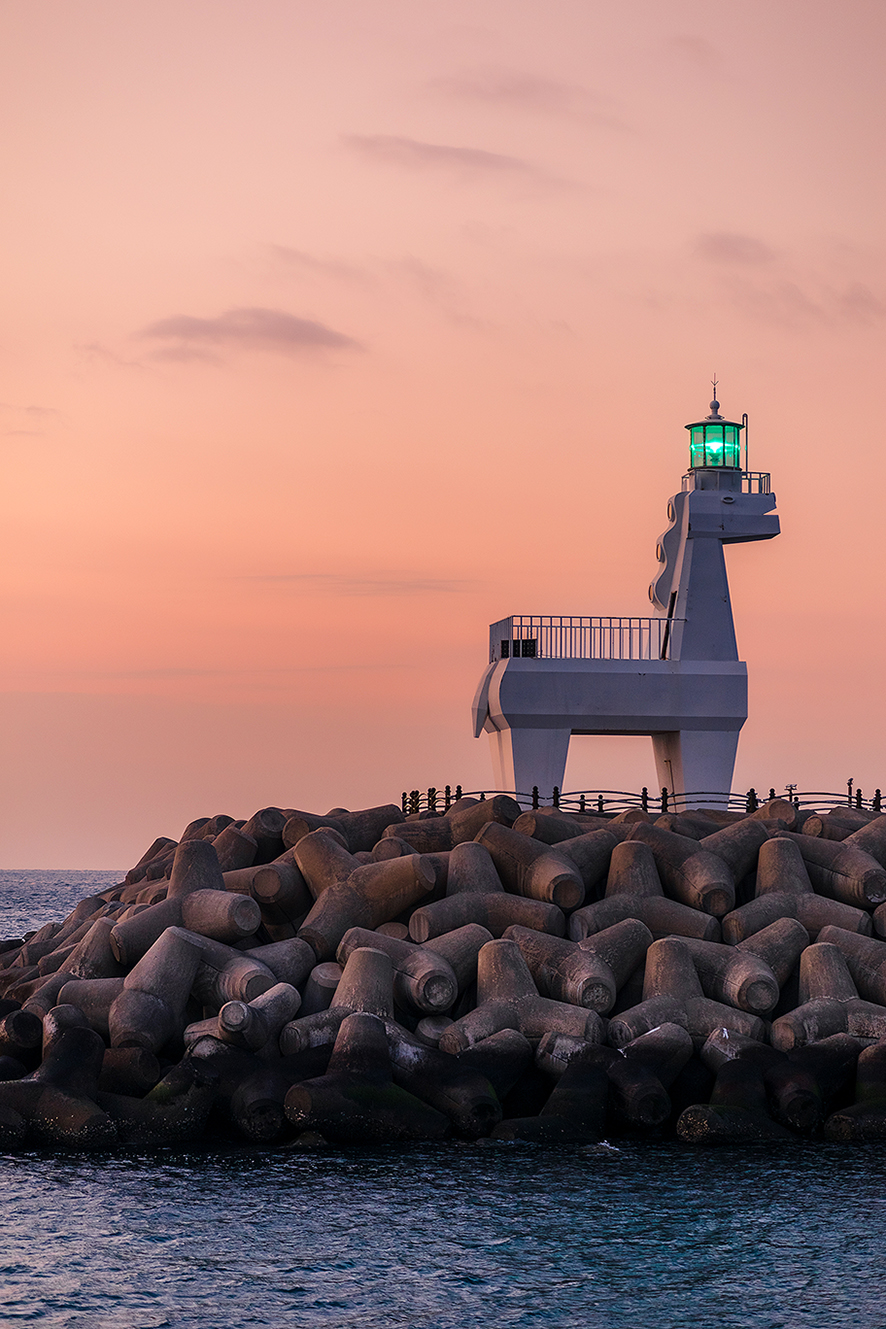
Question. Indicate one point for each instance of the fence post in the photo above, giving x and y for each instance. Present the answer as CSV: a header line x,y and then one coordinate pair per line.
x,y
600,804
858,799
771,795
664,801
849,784
415,801
483,797
447,799
404,802
581,803
457,792
751,804
555,797
534,797
877,801
644,799
432,800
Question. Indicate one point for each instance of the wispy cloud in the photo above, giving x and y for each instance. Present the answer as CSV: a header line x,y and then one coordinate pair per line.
x,y
729,247
23,418
518,90
696,49
783,290
413,155
324,267
333,583
184,353
186,337
432,283
174,672
37,412
860,303
95,351
808,301
435,287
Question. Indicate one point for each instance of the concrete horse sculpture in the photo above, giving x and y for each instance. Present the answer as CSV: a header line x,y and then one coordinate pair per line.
x,y
675,676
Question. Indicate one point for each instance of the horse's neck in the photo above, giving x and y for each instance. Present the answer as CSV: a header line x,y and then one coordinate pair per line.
x,y
703,602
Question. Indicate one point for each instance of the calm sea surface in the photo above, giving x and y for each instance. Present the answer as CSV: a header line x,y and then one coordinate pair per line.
x,y
435,1235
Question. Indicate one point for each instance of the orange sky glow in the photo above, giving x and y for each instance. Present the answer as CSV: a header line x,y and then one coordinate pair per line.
x,y
332,333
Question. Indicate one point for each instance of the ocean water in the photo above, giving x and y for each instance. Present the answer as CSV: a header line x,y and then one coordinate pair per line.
x,y
435,1236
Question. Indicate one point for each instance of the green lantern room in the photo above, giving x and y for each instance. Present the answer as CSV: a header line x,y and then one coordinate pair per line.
x,y
715,443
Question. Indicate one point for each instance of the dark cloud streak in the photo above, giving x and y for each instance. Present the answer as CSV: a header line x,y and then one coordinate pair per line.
x,y
331,583
414,155
698,50
784,291
247,328
326,267
515,89
730,247
39,411
95,351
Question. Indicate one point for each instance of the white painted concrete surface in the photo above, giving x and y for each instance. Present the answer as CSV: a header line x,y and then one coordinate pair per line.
x,y
692,703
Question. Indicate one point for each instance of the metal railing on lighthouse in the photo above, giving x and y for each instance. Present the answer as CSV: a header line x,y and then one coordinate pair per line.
x,y
573,637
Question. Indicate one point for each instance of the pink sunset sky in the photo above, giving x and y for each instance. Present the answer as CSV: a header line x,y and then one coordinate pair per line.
x,y
332,333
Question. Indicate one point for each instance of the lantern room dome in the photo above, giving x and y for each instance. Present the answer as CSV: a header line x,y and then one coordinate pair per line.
x,y
715,442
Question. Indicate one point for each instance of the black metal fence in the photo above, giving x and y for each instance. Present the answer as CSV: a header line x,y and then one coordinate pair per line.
x,y
608,802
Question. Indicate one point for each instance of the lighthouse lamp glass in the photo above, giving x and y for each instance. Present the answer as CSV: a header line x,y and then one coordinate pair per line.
x,y
714,445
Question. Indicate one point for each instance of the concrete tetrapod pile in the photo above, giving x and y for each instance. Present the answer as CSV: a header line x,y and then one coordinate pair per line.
x,y
487,973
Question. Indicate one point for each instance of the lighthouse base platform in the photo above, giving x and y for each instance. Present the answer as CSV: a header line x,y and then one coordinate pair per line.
x,y
692,710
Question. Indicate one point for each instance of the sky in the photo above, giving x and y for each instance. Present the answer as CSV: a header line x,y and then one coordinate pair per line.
x,y
331,334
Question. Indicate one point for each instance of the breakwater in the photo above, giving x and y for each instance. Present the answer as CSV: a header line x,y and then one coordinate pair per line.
x,y
363,977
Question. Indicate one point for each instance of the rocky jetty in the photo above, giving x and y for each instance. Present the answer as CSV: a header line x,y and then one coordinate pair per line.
x,y
486,973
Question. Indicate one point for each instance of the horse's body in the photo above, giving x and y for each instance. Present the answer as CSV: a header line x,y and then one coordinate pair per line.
x,y
676,677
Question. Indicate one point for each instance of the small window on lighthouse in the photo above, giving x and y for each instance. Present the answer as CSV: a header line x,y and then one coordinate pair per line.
x,y
732,447
713,445
696,446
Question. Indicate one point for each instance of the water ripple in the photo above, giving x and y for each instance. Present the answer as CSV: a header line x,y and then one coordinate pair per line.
x,y
442,1237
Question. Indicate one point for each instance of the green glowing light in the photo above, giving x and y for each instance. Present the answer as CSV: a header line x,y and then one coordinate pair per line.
x,y
714,445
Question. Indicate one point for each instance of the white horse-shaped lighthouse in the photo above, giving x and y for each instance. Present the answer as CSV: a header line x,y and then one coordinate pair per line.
x,y
675,676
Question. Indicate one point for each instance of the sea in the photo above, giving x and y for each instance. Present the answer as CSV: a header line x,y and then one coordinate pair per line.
x,y
437,1236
